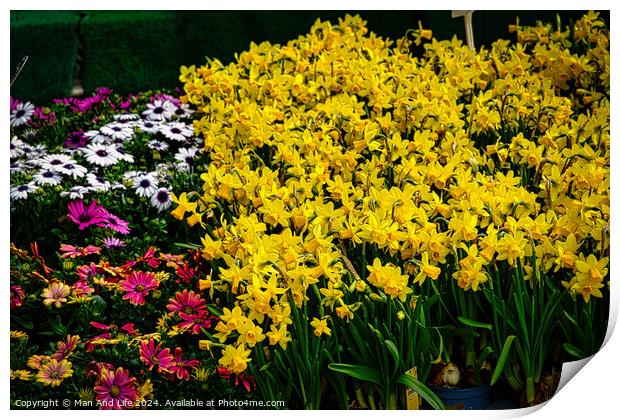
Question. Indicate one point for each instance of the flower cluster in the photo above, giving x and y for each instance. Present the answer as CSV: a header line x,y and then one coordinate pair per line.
x,y
358,207
120,357
339,149
92,160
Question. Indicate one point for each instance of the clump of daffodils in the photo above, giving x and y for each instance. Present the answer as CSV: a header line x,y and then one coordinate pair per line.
x,y
341,164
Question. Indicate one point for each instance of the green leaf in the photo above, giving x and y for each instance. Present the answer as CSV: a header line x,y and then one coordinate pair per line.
x,y
424,391
27,324
393,351
503,357
365,373
475,324
574,351
214,309
188,246
483,356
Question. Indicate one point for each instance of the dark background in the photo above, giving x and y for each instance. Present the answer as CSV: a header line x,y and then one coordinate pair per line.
x,y
140,50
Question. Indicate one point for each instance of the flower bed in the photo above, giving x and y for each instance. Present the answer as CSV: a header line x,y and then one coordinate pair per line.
x,y
360,208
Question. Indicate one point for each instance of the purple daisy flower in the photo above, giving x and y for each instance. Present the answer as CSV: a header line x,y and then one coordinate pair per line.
x,y
76,140
86,216
111,221
103,91
111,242
14,103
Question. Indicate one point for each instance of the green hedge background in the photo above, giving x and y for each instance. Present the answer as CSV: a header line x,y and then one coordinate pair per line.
x,y
140,50
50,41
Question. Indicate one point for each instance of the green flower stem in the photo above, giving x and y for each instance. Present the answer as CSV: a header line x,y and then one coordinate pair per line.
x,y
529,389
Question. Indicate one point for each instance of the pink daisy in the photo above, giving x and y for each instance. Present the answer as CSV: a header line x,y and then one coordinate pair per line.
x,y
180,368
101,326
186,273
194,322
138,285
88,272
116,389
187,302
81,288
71,251
149,258
153,356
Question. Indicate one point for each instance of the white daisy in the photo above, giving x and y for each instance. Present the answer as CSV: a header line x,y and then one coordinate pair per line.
x,y
21,114
183,111
97,136
16,147
21,192
27,149
117,131
161,200
158,145
159,110
38,150
100,154
75,193
178,131
186,155
122,155
182,167
97,183
30,133
145,186
73,169
130,175
47,177
162,167
54,162
126,117
17,167
198,141
148,126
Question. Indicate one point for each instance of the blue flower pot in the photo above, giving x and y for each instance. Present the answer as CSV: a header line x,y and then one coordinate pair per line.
x,y
475,398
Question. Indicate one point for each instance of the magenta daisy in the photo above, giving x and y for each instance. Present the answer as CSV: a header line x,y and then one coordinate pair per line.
x,y
111,221
181,368
86,216
153,356
187,302
138,285
194,322
116,389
